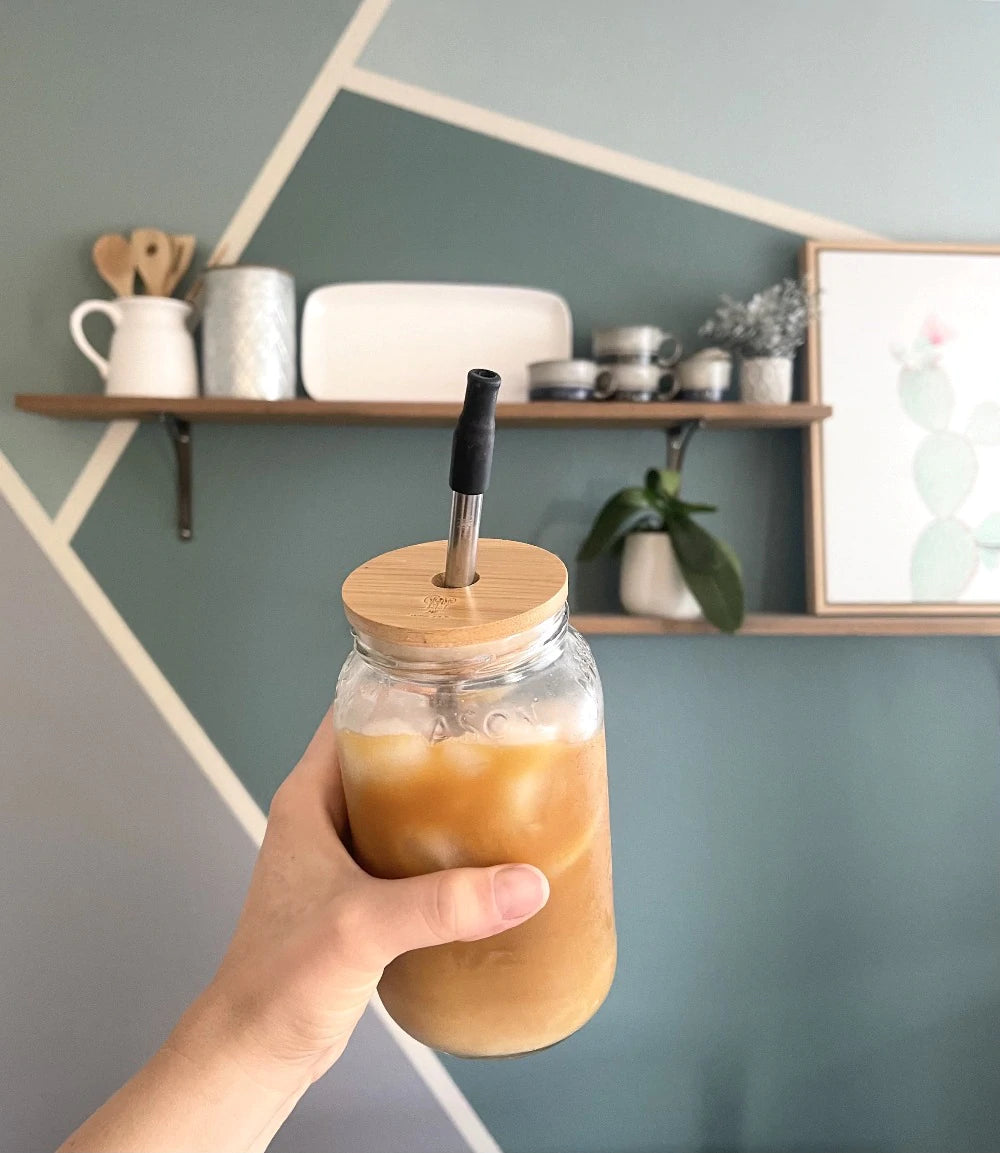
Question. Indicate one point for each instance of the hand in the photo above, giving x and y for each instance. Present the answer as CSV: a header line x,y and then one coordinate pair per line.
x,y
315,933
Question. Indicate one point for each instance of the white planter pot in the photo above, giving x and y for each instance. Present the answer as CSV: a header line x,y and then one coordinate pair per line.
x,y
766,379
651,581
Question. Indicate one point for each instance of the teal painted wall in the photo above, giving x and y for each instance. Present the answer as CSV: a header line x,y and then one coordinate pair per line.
x,y
878,113
116,116
805,830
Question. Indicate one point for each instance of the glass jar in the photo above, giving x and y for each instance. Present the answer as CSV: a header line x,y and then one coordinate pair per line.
x,y
483,753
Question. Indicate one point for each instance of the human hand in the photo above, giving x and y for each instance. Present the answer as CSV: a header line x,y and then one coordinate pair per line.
x,y
316,930
310,946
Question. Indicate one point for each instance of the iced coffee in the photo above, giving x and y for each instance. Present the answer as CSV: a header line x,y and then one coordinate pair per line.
x,y
470,727
417,805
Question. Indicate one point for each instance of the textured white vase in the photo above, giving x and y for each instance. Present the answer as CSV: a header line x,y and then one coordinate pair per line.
x,y
651,581
766,379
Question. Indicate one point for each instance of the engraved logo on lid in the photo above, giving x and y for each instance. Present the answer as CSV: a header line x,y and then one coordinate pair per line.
x,y
434,604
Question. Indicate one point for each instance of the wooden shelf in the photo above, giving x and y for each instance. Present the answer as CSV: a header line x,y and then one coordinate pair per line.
x,y
545,414
794,625
677,420
676,417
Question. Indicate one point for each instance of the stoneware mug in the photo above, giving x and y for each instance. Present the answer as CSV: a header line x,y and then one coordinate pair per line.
x,y
152,351
636,344
705,376
634,382
561,380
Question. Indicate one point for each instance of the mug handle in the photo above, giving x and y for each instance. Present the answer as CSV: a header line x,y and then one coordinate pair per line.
x,y
76,318
602,386
668,361
675,384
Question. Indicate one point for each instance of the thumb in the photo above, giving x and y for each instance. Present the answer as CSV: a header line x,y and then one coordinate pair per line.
x,y
454,905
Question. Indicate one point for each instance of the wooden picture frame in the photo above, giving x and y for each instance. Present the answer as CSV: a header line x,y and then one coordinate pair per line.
x,y
939,554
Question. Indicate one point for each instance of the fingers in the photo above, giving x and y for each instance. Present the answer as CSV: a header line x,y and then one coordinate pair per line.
x,y
455,905
316,778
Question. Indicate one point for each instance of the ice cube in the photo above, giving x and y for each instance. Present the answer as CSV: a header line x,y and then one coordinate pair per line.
x,y
526,793
396,754
464,755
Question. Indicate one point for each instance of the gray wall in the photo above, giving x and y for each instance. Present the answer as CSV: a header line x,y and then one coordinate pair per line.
x,y
121,876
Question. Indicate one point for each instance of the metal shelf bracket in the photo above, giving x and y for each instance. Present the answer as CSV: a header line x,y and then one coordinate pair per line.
x,y
678,439
179,432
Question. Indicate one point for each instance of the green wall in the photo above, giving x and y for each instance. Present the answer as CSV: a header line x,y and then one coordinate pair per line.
x,y
116,116
805,830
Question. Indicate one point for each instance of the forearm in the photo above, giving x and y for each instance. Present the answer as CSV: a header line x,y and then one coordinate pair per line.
x,y
200,1091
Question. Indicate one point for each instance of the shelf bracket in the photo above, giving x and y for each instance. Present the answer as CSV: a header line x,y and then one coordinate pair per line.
x,y
179,432
678,439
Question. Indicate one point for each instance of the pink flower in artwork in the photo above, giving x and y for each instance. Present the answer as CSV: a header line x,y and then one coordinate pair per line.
x,y
936,332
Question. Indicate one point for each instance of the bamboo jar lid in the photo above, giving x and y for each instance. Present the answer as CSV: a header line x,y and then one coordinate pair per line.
x,y
398,596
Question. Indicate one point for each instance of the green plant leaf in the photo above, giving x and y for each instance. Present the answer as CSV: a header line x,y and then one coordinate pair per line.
x,y
682,506
627,511
697,550
663,480
720,595
711,571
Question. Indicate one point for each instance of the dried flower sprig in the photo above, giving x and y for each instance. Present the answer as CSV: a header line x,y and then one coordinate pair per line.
x,y
771,323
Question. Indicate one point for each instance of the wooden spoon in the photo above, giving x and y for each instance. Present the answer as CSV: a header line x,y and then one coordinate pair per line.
x,y
112,255
153,257
183,251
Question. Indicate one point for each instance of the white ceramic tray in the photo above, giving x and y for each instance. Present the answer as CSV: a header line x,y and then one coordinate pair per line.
x,y
399,342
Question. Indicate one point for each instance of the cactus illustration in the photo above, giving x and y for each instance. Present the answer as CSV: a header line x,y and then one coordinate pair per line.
x,y
944,560
924,387
947,554
988,540
944,469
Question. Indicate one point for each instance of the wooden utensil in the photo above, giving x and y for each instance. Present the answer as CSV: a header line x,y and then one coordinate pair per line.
x,y
112,255
153,257
183,250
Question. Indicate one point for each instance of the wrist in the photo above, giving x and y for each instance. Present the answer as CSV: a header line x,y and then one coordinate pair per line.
x,y
226,1042
207,1088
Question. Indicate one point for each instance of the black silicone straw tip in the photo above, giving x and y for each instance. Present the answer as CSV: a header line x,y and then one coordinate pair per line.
x,y
472,446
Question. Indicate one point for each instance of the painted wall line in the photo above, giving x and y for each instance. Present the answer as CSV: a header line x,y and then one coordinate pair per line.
x,y
240,229
130,651
180,720
597,157
299,131
93,476
439,1081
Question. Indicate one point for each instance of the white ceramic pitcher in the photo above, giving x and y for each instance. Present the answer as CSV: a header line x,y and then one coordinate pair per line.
x,y
152,352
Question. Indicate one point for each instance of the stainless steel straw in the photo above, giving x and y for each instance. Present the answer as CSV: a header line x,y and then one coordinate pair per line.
x,y
471,460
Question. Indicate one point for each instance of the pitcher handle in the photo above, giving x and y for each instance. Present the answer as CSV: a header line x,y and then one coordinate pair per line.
x,y
76,318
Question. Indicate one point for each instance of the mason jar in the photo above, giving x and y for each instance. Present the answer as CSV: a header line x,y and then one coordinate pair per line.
x,y
470,730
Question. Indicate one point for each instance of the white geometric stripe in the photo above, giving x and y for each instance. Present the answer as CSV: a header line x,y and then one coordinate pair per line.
x,y
93,477
597,157
299,131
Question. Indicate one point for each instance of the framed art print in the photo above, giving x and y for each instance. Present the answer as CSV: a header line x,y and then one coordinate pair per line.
x,y
903,480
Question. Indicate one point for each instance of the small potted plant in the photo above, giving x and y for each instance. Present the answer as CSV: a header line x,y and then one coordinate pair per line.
x,y
766,330
671,567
